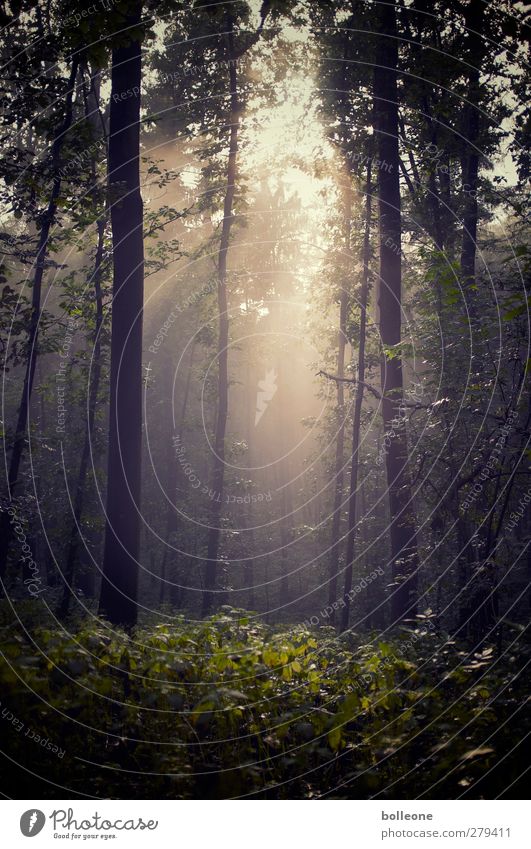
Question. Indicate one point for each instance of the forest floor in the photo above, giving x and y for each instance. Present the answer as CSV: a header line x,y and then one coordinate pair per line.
x,y
229,707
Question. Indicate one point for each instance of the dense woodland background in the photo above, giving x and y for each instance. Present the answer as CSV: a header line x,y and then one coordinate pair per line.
x,y
265,342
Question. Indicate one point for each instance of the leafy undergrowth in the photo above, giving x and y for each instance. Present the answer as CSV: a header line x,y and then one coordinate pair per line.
x,y
229,707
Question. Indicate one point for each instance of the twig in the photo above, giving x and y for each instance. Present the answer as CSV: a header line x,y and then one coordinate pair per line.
x,y
402,402
350,380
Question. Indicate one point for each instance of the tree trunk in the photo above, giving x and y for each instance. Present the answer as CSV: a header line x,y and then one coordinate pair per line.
x,y
356,422
248,569
335,543
218,475
470,156
174,470
93,115
94,388
33,331
402,521
118,600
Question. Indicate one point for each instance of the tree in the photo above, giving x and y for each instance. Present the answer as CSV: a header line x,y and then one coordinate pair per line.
x,y
358,401
46,223
218,472
95,122
232,56
402,520
118,600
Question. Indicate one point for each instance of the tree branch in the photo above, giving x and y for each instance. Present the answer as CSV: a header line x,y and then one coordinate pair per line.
x,y
413,404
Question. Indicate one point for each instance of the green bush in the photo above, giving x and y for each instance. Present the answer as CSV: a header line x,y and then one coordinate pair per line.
x,y
229,707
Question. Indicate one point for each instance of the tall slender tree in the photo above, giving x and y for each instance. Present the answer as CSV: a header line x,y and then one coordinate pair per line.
x,y
470,130
173,480
118,600
403,539
95,123
358,402
344,300
218,472
233,55
46,225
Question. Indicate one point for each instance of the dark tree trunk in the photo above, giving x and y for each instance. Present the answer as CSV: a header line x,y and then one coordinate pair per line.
x,y
33,331
339,478
94,388
335,543
356,422
283,475
248,570
218,476
118,600
402,521
94,117
470,157
174,470
286,537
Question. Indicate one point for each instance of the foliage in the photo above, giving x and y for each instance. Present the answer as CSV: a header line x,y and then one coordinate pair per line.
x,y
230,707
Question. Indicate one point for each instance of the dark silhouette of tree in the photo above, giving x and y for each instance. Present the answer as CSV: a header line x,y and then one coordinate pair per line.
x,y
95,121
402,519
46,224
218,471
358,401
118,600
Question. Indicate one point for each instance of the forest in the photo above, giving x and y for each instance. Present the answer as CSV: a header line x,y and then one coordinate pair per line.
x,y
264,308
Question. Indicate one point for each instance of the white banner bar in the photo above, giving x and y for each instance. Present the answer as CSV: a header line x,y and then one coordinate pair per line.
x,y
267,824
